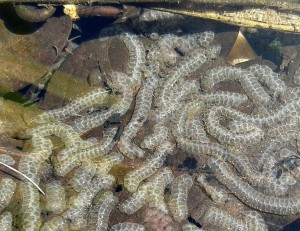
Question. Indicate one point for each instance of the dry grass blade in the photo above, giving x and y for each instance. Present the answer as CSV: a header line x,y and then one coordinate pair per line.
x,y
26,177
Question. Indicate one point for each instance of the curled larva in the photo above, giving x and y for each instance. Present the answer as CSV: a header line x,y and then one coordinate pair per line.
x,y
127,226
178,199
55,195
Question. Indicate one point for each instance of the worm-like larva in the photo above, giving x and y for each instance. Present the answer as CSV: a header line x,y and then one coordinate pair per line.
x,y
160,134
252,134
137,56
265,75
55,195
147,168
289,109
178,199
249,195
83,175
105,205
121,84
240,161
186,122
61,130
7,159
247,79
136,201
195,60
251,221
83,154
6,221
158,183
85,123
140,114
217,194
107,162
30,208
224,98
94,97
127,226
7,190
285,131
55,224
152,192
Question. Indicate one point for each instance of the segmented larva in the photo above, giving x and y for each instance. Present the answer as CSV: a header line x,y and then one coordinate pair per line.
x,y
160,134
127,226
55,224
83,175
83,154
78,205
217,194
30,207
157,185
186,122
7,159
140,114
152,192
178,198
105,205
246,78
97,96
225,98
136,201
251,134
6,221
85,123
265,75
286,131
137,56
7,189
191,227
108,161
249,195
240,162
99,150
147,168
251,221
85,197
194,61
122,84
55,196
